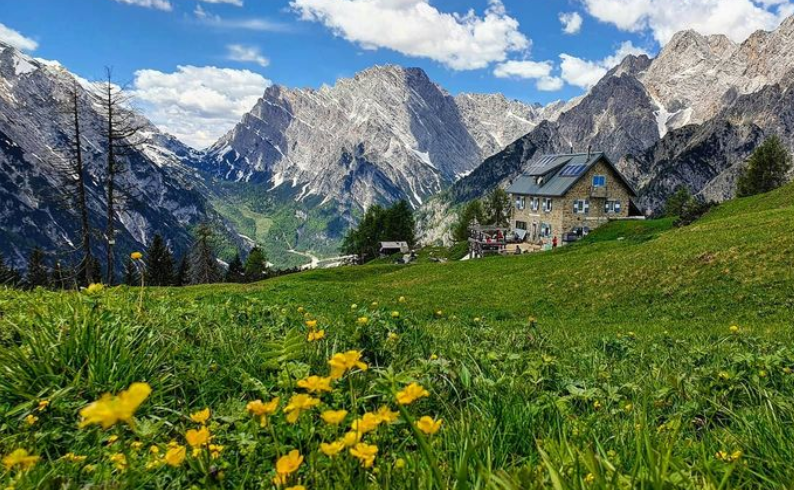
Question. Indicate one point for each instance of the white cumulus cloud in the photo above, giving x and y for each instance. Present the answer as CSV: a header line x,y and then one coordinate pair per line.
x,y
237,3
246,54
416,28
663,18
540,71
586,73
197,104
16,39
571,22
153,4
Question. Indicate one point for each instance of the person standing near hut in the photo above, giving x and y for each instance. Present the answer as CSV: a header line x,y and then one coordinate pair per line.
x,y
554,243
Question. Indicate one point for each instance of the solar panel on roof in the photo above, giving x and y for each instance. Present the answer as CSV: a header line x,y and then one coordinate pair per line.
x,y
572,170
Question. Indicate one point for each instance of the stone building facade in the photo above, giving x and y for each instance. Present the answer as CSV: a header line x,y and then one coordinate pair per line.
x,y
565,195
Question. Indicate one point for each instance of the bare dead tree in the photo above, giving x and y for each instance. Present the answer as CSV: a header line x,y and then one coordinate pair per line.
x,y
123,137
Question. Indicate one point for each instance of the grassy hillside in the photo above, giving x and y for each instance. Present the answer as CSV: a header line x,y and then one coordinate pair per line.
x,y
655,358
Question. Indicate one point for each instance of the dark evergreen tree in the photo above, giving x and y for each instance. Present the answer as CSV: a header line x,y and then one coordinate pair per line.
x,y
766,169
236,271
182,272
497,207
38,273
204,267
159,263
675,204
131,275
399,224
8,276
379,224
470,212
256,267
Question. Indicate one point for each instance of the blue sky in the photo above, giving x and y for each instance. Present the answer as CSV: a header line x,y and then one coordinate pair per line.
x,y
517,47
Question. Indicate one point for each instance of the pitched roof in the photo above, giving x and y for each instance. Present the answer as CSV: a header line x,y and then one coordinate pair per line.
x,y
554,175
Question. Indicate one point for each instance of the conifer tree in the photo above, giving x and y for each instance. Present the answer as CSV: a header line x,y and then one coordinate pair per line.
x,y
182,272
471,212
236,271
204,267
8,276
38,274
256,265
159,263
766,169
497,207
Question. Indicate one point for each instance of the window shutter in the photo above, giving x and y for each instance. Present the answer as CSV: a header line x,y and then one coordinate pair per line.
x,y
617,206
587,207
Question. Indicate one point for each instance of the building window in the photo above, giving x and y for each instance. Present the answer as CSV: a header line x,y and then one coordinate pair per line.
x,y
547,204
521,225
612,207
520,202
545,230
534,203
581,206
599,180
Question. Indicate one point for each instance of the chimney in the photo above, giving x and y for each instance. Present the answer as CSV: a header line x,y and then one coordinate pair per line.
x,y
589,149
571,149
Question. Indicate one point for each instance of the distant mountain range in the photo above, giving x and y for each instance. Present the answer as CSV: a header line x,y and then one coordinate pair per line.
x,y
303,164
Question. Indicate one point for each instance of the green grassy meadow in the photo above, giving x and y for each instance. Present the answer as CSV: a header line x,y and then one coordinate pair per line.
x,y
646,356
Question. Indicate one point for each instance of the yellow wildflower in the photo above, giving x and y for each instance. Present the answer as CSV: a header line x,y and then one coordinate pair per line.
x,y
89,468
296,487
341,363
354,306
428,425
367,423
433,357
112,439
351,438
198,438
393,336
476,319
94,288
734,329
119,460
362,321
175,455
20,458
136,445
312,324
439,313
154,449
402,299
201,416
43,404
590,478
374,304
215,450
333,448
297,404
387,415
286,465
31,419
597,405
395,314
256,407
724,375
399,463
411,393
136,256
111,409
333,417
300,309
365,453
762,374
316,335
73,458
628,407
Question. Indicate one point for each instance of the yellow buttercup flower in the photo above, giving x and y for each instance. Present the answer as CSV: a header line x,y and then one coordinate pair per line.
x,y
387,415
399,463
43,404
354,306
286,465
590,478
296,487
343,362
411,393
109,409
333,417
332,449
198,438
298,404
94,288
351,438
428,425
31,419
402,299
201,416
393,336
365,453
112,439
136,445
119,460
256,407
136,256
175,456
734,329
315,384
315,335
300,309
311,324
395,314
20,458
367,423
154,449
215,450
362,321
